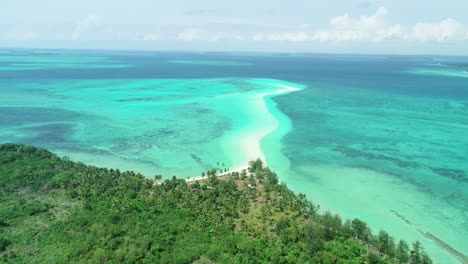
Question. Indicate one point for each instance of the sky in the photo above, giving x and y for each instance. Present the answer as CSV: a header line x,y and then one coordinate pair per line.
x,y
326,26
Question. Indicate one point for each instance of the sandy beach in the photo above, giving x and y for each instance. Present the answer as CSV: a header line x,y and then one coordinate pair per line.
x,y
238,169
254,122
246,141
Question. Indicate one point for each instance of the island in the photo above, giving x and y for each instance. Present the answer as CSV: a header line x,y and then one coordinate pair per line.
x,y
54,210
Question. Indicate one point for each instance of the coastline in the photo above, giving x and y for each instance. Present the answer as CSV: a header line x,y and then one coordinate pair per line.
x,y
267,124
271,143
253,116
199,178
247,141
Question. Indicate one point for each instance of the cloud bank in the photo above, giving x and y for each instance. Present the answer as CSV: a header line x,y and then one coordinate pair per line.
x,y
373,28
82,26
376,30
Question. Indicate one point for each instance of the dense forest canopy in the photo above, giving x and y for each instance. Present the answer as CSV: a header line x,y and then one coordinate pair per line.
x,y
54,210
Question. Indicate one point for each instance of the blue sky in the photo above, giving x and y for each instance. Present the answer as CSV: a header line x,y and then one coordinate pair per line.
x,y
336,26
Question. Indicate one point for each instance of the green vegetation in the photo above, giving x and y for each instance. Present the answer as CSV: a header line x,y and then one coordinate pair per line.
x,y
53,210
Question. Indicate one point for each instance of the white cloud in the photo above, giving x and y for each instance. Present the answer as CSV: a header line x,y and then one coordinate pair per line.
x,y
194,34
367,23
372,28
20,34
225,36
151,37
84,25
445,30
291,37
190,34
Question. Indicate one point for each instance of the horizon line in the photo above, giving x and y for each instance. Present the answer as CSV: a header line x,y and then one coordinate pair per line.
x,y
239,51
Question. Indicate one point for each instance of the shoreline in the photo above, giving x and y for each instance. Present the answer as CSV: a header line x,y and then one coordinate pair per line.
x,y
222,174
247,139
260,135
271,143
253,119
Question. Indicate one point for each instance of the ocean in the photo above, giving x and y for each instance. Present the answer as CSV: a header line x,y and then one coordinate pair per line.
x,y
382,138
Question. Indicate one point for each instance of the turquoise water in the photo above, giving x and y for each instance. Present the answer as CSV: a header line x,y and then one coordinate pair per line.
x,y
167,126
395,161
68,61
210,62
382,138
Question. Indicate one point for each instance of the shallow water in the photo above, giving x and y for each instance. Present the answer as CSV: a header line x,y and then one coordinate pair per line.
x,y
396,161
382,138
167,126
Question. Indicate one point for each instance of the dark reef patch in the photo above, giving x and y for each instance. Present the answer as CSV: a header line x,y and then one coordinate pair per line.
x,y
49,133
160,98
12,116
401,217
353,153
200,162
422,187
454,174
459,255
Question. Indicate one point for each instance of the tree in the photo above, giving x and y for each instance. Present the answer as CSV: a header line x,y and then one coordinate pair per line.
x,y
255,165
361,231
386,243
4,243
243,174
373,258
402,252
331,224
418,255
128,218
314,237
252,181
